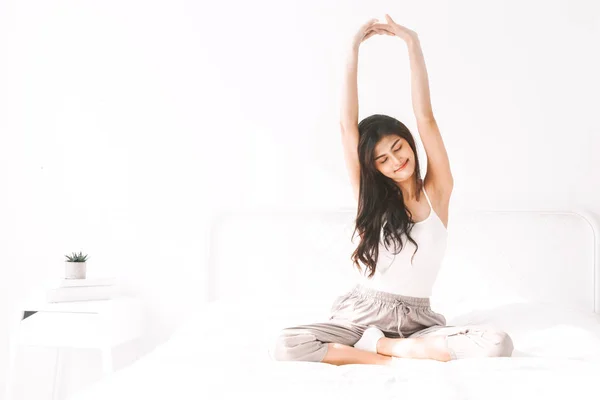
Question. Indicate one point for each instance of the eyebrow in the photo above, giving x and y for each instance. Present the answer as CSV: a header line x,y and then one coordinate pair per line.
x,y
391,147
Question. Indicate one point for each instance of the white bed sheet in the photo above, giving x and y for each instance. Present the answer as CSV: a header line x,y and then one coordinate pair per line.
x,y
222,352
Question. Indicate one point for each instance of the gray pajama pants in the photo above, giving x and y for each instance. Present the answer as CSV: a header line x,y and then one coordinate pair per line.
x,y
396,316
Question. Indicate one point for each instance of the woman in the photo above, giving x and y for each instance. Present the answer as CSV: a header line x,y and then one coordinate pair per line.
x,y
403,239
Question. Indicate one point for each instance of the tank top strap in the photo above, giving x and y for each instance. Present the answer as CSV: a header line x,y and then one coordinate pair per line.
x,y
427,197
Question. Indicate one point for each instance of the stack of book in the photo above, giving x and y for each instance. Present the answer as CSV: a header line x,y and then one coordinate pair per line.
x,y
97,288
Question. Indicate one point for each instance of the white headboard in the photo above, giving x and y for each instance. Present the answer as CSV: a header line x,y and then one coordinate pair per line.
x,y
303,256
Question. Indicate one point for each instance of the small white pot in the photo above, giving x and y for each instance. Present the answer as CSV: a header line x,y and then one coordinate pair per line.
x,y
74,270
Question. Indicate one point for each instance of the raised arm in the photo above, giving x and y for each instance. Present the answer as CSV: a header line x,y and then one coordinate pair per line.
x,y
438,164
349,103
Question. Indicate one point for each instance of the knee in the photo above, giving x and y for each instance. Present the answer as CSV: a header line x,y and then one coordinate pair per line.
x,y
501,344
289,346
281,349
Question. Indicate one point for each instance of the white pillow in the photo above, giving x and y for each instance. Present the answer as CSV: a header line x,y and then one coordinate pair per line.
x,y
542,329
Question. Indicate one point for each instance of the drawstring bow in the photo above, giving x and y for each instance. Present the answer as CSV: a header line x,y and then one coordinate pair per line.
x,y
401,306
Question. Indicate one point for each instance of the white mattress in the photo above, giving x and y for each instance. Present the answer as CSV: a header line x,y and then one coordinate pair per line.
x,y
222,352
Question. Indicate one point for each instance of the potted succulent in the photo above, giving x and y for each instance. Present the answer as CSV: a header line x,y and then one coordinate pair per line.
x,y
75,266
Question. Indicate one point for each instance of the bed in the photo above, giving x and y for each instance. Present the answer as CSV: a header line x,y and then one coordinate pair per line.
x,y
534,274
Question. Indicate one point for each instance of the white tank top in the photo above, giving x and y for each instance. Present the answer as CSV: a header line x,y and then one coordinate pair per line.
x,y
394,272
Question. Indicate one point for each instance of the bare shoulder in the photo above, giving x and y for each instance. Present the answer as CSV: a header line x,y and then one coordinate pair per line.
x,y
440,199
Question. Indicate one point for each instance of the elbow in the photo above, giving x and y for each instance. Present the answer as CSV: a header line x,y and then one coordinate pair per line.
x,y
449,181
348,125
425,118
450,185
344,124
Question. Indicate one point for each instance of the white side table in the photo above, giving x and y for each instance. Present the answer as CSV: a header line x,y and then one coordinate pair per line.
x,y
100,324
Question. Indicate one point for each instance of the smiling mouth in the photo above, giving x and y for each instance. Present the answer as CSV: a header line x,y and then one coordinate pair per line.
x,y
402,166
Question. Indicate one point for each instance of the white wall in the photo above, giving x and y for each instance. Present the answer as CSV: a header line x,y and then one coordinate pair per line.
x,y
125,125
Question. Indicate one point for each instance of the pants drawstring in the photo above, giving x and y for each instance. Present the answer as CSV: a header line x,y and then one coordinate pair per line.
x,y
405,311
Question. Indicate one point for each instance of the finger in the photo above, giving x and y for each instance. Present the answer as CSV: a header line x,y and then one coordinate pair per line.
x,y
383,27
382,32
373,31
389,19
368,35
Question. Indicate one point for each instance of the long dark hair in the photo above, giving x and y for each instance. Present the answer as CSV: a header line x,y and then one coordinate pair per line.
x,y
380,201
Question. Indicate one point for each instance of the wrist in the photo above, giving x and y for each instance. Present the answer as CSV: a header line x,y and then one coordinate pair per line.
x,y
352,52
413,41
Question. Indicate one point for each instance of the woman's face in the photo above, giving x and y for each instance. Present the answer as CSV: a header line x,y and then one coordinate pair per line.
x,y
394,158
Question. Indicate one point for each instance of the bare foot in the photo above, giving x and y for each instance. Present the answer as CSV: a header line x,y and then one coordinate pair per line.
x,y
340,354
432,347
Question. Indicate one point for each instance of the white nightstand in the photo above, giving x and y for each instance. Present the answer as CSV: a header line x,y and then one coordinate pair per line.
x,y
100,324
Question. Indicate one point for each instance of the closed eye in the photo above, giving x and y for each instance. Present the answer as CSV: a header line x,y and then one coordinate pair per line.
x,y
398,149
